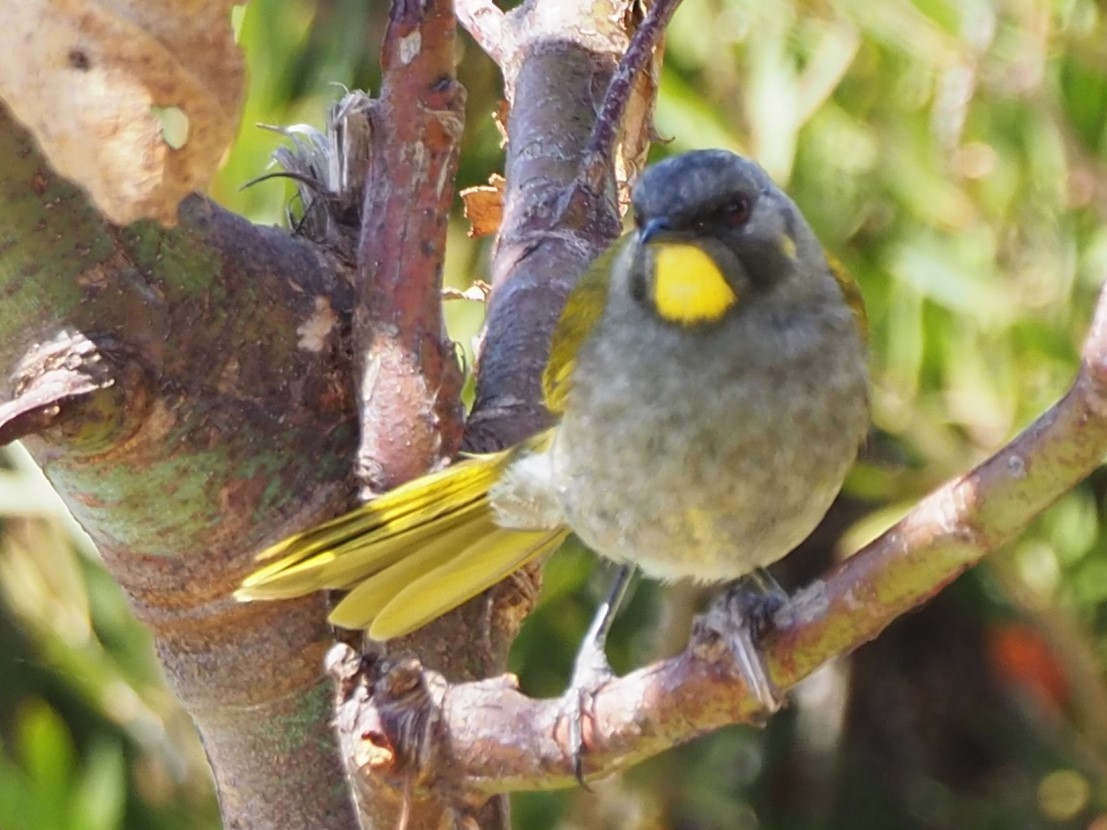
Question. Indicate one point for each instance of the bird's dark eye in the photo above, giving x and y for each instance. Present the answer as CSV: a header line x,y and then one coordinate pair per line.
x,y
638,220
736,211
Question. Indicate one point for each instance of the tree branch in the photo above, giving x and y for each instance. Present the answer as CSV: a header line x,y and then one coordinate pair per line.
x,y
523,746
599,157
485,23
58,382
410,382
562,54
409,377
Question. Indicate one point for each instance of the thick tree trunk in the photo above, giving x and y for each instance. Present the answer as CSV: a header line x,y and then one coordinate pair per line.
x,y
187,392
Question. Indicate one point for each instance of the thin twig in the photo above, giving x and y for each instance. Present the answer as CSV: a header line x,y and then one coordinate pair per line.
x,y
600,151
485,22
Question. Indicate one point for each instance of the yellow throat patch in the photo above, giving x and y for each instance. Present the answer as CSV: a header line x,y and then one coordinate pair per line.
x,y
688,287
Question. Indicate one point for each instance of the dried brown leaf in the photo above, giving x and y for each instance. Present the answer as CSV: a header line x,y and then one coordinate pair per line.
x,y
499,117
484,206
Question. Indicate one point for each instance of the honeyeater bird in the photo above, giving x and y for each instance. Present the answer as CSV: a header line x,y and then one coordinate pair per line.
x,y
708,380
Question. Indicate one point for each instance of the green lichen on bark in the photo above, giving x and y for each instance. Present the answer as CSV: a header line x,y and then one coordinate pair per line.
x,y
220,413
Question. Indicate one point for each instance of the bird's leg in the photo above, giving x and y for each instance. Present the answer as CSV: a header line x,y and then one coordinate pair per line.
x,y
751,601
591,669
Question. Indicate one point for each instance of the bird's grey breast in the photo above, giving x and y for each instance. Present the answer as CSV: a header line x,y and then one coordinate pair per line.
x,y
706,452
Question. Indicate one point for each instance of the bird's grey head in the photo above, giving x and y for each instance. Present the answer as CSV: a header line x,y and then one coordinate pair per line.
x,y
683,189
728,205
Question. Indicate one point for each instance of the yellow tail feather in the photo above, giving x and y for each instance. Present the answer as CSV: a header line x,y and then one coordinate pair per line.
x,y
355,558
360,607
461,577
357,544
410,555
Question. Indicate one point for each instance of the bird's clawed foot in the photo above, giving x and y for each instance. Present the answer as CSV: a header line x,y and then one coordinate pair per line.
x,y
591,671
749,605
740,618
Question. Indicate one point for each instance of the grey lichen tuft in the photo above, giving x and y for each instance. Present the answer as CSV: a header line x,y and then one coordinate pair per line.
x,y
329,169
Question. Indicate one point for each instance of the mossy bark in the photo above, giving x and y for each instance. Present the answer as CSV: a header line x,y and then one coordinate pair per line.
x,y
222,414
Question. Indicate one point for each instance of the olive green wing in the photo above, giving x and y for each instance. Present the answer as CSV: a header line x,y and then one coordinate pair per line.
x,y
410,555
582,312
356,546
852,295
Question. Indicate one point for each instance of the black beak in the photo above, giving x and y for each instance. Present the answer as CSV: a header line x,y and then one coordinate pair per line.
x,y
652,228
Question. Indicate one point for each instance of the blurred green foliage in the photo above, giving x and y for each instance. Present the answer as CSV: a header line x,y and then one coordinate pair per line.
x,y
90,738
954,156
